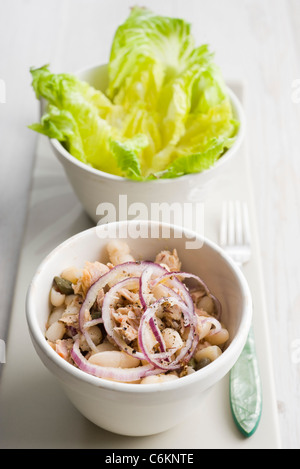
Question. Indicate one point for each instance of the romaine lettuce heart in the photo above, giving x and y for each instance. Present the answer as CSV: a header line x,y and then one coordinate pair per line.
x,y
166,111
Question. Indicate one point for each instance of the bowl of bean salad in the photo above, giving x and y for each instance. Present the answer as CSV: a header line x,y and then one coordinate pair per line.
x,y
136,328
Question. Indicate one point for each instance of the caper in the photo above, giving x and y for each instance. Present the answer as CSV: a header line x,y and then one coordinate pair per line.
x,y
202,363
192,363
63,285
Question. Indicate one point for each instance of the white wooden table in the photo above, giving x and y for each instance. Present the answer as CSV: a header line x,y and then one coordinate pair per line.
x,y
256,41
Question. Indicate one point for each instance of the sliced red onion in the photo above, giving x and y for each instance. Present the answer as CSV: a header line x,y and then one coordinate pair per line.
x,y
89,340
110,298
213,321
146,276
181,275
167,292
109,278
178,285
191,342
117,374
144,291
93,322
87,336
157,334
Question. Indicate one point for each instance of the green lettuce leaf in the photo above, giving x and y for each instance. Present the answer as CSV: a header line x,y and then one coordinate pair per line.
x,y
61,125
165,113
76,117
197,162
147,51
126,154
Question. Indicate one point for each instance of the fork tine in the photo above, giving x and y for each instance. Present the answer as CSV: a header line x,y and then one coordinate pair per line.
x,y
238,223
227,234
235,231
235,226
223,227
231,224
246,223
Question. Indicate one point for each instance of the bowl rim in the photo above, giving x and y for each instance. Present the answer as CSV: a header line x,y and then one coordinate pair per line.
x,y
82,376
238,108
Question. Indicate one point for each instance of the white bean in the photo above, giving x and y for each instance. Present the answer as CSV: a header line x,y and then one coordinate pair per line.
x,y
56,298
105,347
114,359
72,306
158,379
159,323
95,334
55,315
69,299
172,338
218,338
56,331
203,327
190,370
72,274
207,304
118,252
150,340
212,352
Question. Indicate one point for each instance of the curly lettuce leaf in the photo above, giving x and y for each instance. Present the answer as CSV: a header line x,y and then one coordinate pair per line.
x,y
201,130
75,117
66,91
166,111
126,154
174,107
150,48
197,162
61,125
154,62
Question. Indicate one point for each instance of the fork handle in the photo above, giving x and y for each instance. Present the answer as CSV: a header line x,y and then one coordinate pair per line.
x,y
245,390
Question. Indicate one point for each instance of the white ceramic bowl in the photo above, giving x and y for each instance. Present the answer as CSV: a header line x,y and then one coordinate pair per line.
x,y
141,409
94,187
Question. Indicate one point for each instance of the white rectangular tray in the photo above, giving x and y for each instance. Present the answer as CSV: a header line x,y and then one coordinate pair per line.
x,y
34,413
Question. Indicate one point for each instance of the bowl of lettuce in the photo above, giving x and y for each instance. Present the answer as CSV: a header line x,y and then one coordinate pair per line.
x,y
157,123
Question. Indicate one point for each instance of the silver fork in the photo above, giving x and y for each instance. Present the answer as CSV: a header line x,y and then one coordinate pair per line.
x,y
245,389
235,234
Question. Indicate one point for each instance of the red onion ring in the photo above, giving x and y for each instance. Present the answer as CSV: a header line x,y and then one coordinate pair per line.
x,y
191,342
93,322
157,334
176,283
145,278
213,321
168,292
109,278
108,321
179,274
117,374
